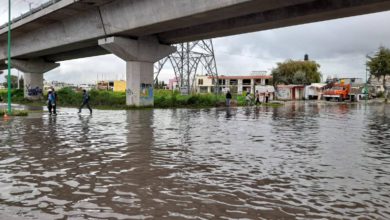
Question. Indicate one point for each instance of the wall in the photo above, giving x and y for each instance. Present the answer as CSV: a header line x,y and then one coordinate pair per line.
x,y
283,93
119,86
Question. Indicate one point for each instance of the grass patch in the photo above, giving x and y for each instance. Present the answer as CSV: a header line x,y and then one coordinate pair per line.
x,y
16,113
273,104
117,100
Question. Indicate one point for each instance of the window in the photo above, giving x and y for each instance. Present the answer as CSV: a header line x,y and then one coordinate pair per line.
x,y
200,81
203,89
233,82
246,82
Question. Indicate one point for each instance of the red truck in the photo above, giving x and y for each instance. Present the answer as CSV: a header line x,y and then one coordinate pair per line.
x,y
338,91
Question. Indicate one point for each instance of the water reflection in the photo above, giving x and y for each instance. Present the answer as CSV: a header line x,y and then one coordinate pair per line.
x,y
308,160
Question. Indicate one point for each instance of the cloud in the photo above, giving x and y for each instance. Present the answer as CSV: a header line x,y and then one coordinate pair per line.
x,y
88,70
339,46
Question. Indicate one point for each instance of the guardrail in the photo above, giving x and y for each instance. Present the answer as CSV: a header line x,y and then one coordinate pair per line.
x,y
30,12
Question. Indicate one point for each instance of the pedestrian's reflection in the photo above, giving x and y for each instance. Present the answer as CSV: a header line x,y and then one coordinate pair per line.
x,y
228,113
247,111
84,119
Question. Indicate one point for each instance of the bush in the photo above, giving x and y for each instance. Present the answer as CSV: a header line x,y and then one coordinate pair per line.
x,y
16,113
109,99
380,95
68,97
17,95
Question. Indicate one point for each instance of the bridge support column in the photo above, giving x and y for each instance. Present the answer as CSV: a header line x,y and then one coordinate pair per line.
x,y
140,55
33,75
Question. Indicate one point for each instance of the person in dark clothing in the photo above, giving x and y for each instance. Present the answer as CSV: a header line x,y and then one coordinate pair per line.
x,y
248,99
85,101
228,98
257,95
51,101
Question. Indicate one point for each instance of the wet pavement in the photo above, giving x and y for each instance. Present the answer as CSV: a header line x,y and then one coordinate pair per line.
x,y
300,161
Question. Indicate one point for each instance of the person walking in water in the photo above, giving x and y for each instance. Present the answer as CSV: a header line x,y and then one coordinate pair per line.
x,y
228,98
257,95
51,101
248,99
85,101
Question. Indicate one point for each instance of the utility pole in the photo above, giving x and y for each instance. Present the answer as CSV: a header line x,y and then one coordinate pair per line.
x,y
9,57
18,80
366,91
188,70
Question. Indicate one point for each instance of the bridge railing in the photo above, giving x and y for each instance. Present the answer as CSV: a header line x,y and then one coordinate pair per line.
x,y
30,12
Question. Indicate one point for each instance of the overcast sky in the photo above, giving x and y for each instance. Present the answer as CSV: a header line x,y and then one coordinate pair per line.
x,y
339,46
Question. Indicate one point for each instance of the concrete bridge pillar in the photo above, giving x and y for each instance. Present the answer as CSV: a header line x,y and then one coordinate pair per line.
x,y
33,75
140,55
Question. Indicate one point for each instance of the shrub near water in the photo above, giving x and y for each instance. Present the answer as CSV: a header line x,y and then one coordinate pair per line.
x,y
68,97
15,113
109,99
17,95
173,99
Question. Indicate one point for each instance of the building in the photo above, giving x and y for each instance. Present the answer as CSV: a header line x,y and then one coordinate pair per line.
x,y
290,92
57,85
87,87
105,85
378,83
345,80
235,84
263,90
119,86
314,91
173,84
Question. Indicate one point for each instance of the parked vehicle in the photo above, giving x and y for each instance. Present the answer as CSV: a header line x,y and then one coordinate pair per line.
x,y
337,91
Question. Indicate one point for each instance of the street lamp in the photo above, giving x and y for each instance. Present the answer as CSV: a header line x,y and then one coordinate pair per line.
x,y
366,88
9,57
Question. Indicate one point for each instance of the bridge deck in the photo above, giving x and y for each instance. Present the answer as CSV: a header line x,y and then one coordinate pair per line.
x,y
69,29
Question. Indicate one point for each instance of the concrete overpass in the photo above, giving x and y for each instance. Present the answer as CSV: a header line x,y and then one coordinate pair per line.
x,y
140,31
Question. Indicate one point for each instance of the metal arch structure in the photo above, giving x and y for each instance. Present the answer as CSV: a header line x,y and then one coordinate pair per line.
x,y
187,60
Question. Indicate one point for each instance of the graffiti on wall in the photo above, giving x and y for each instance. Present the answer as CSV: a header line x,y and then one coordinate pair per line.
x,y
129,92
34,91
283,93
146,91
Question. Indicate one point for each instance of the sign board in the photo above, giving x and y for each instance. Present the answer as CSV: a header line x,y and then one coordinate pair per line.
x,y
184,90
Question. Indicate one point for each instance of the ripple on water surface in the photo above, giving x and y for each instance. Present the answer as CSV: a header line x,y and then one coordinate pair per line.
x,y
308,161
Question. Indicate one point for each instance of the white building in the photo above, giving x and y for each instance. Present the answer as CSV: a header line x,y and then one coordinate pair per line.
x,y
314,90
235,84
56,85
378,83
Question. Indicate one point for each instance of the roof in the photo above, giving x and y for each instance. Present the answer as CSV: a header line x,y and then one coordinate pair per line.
x,y
317,85
290,86
244,77
263,89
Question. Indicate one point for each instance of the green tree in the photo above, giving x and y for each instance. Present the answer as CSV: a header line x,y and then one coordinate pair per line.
x,y
379,66
296,72
159,85
14,81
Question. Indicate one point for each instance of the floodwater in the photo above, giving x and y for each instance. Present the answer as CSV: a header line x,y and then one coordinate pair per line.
x,y
300,161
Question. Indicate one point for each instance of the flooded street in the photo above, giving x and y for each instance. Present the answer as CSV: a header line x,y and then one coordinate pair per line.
x,y
300,161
